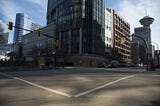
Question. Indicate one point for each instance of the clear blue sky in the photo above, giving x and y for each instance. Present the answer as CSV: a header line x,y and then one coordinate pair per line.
x,y
35,9
131,10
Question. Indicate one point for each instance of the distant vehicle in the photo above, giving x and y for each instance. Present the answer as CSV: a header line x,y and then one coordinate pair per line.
x,y
113,64
130,64
102,65
157,66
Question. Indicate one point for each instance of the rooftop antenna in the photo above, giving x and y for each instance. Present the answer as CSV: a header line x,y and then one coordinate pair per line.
x,y
146,11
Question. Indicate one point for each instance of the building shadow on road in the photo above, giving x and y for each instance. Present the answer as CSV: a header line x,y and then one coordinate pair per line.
x,y
153,103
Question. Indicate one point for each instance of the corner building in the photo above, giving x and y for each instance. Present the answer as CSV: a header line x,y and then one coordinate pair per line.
x,y
80,29
121,30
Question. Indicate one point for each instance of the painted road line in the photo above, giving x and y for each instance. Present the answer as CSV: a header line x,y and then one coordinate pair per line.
x,y
103,86
38,86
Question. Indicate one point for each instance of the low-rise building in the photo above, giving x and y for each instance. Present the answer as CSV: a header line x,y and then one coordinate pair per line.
x,y
4,48
35,46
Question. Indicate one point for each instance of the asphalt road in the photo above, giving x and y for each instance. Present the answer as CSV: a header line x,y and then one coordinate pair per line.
x,y
80,87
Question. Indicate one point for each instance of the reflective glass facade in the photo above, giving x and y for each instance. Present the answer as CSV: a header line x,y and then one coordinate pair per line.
x,y
79,25
23,21
93,29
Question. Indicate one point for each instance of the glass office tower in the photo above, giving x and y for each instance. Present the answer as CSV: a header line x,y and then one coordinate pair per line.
x,y
93,27
79,25
22,22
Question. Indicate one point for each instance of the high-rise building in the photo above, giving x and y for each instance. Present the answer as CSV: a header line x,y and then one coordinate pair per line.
x,y
3,33
121,36
144,33
4,48
4,38
108,30
23,21
80,27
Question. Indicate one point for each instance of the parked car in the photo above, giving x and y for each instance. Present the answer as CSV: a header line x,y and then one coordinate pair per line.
x,y
114,64
157,66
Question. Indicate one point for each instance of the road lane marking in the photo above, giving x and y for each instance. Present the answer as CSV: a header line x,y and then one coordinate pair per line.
x,y
38,86
65,94
103,86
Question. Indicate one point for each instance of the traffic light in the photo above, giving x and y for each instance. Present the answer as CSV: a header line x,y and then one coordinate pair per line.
x,y
10,25
38,32
57,43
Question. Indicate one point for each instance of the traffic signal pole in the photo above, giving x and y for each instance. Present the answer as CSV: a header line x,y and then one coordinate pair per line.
x,y
23,29
39,33
10,26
